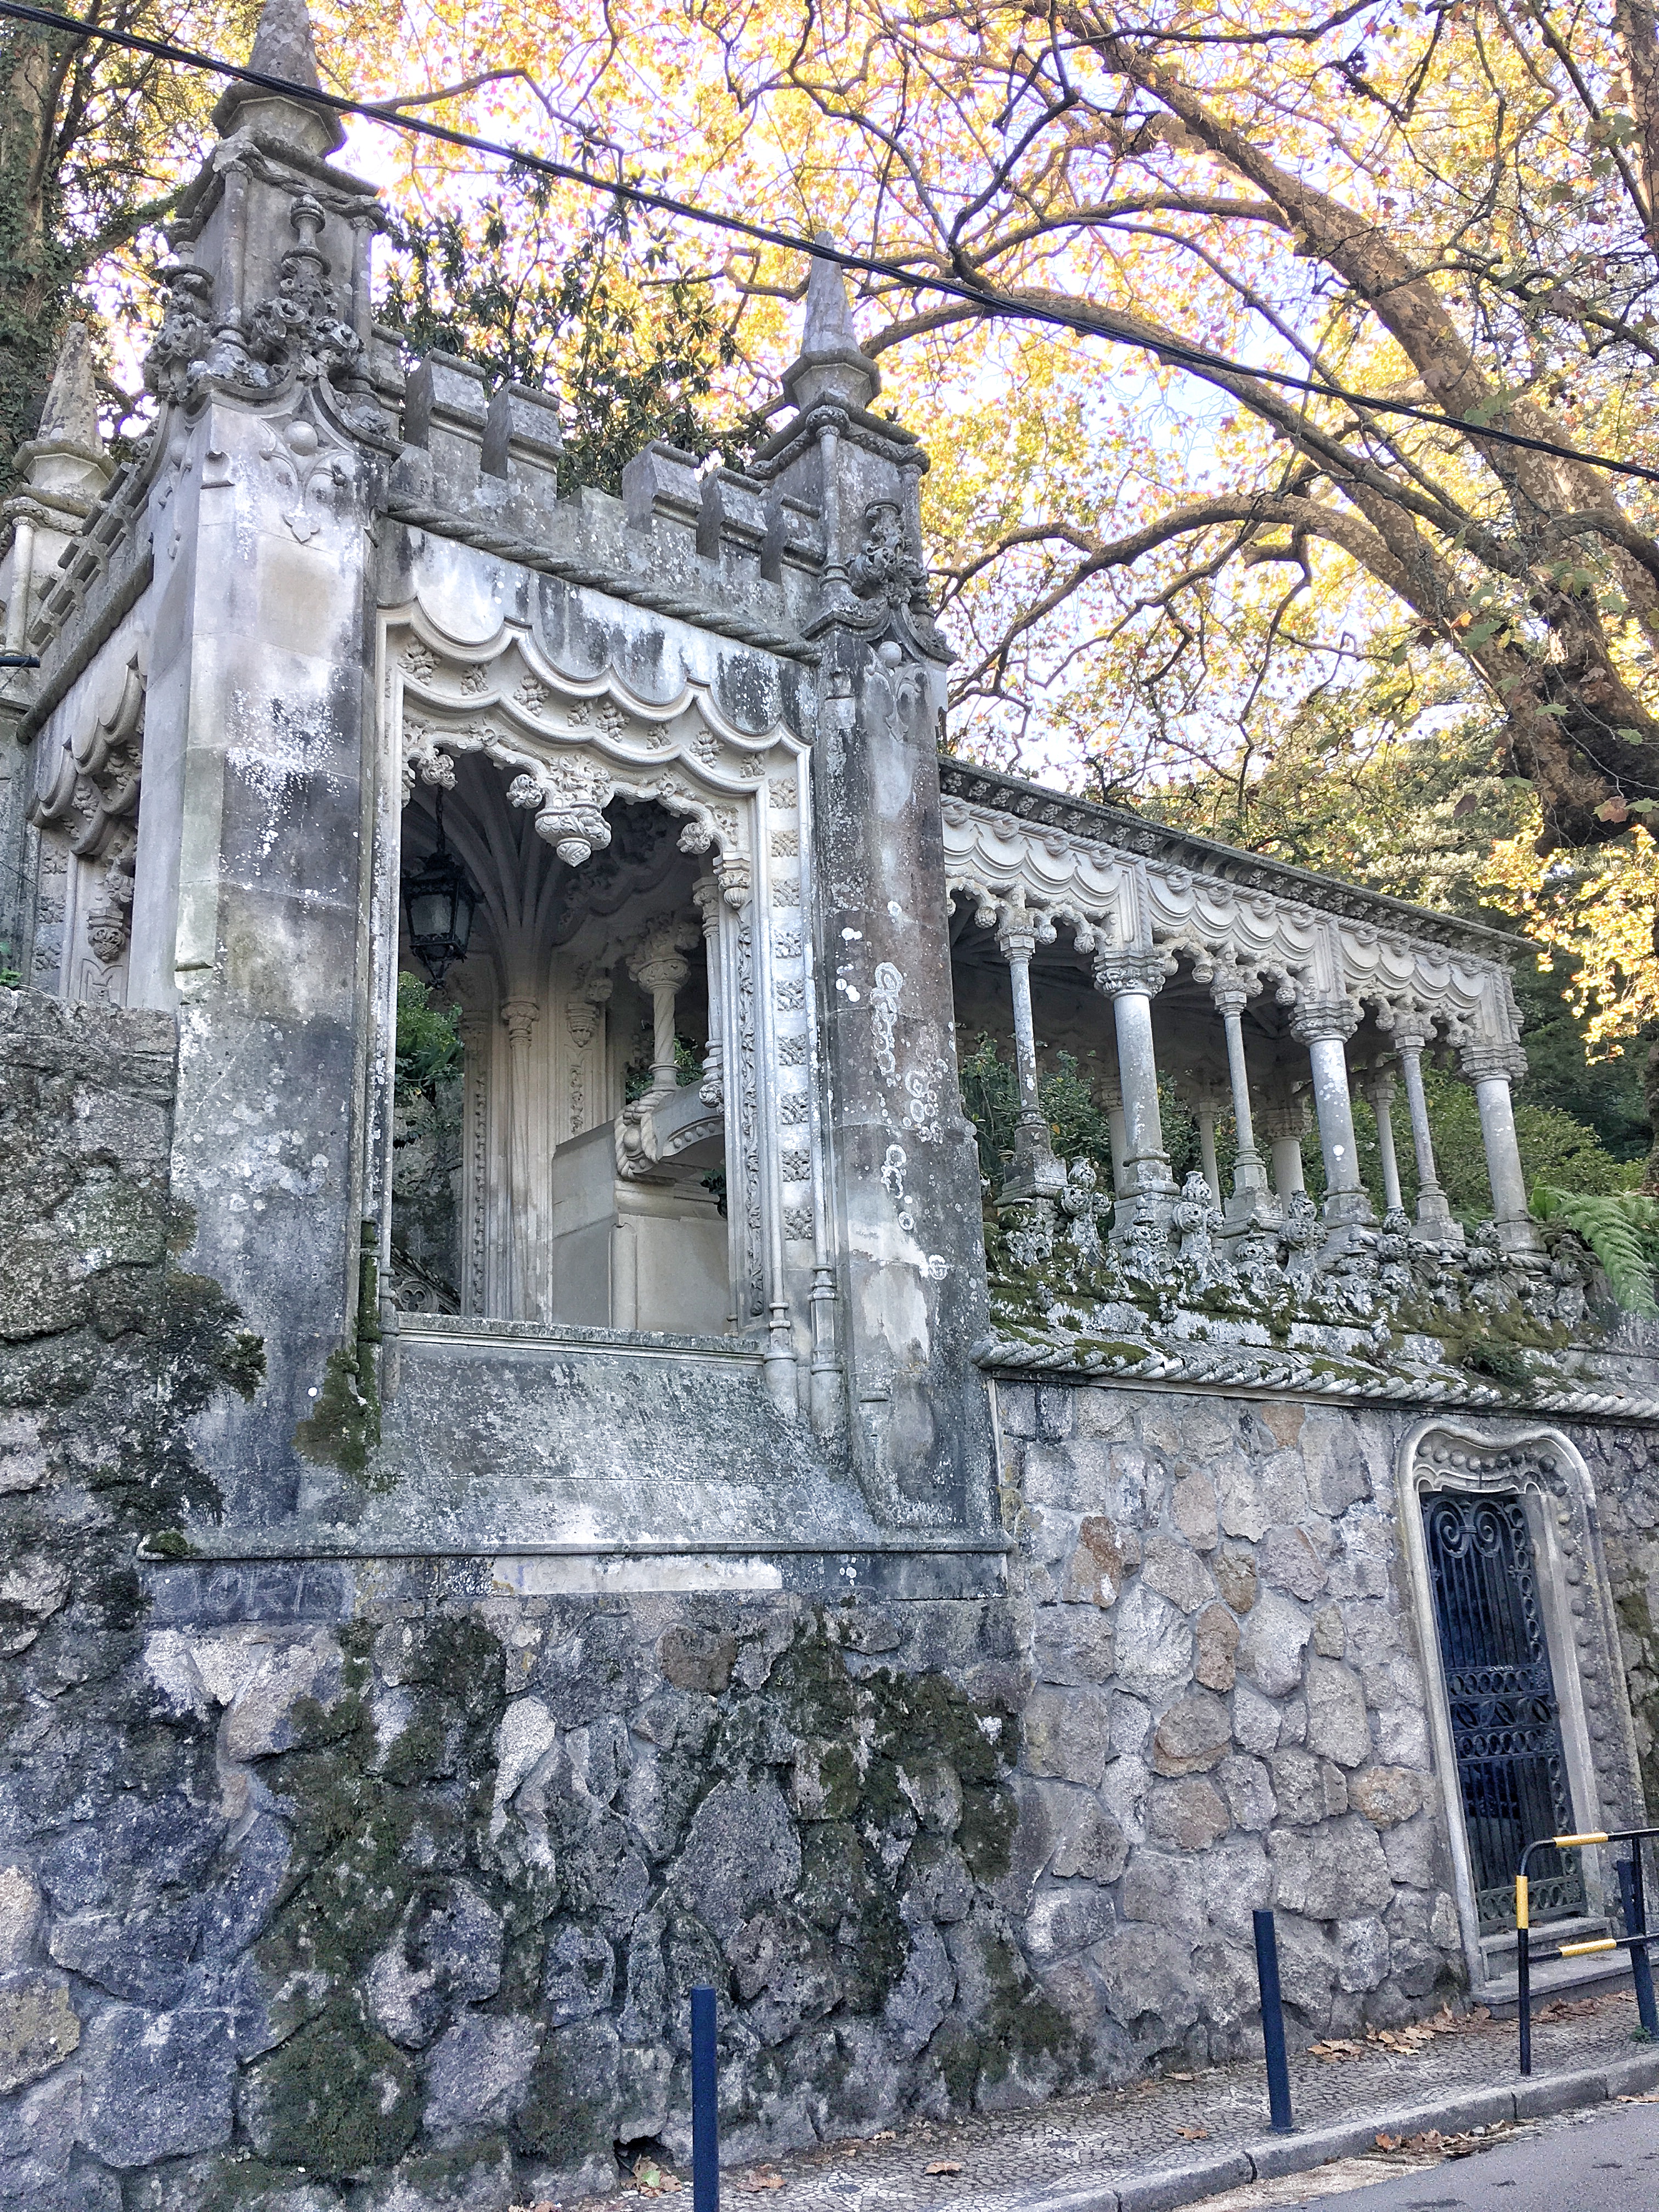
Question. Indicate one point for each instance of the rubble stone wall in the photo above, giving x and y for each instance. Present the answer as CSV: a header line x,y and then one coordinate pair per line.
x,y
338,1886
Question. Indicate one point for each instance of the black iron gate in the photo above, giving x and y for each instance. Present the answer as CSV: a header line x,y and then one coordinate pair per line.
x,y
1506,1727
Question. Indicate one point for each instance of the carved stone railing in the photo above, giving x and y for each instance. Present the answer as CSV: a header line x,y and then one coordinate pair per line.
x,y
1390,1317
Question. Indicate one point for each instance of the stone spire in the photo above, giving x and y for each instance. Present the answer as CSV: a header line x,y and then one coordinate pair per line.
x,y
283,44
283,47
70,414
831,364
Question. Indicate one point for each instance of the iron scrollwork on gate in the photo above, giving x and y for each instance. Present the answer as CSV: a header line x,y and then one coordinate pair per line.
x,y
1505,1721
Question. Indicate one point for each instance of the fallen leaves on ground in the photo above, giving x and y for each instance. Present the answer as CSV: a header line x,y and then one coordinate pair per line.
x,y
1194,2135
1406,2042
653,2180
762,2177
1431,2143
1568,2009
944,2166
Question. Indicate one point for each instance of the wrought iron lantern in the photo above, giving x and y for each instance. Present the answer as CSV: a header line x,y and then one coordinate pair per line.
x,y
439,900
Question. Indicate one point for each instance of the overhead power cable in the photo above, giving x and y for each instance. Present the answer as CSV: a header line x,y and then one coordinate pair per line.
x,y
984,298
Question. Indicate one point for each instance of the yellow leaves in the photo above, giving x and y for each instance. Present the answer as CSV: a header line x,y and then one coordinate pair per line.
x,y
1598,907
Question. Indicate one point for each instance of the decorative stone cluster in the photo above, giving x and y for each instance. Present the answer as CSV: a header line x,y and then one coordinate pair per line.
x,y
1380,1296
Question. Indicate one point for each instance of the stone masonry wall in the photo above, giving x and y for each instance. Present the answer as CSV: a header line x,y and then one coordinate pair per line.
x,y
1625,1469
1226,1713
365,1887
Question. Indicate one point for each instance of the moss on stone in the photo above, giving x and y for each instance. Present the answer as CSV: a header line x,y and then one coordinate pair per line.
x,y
345,1426
336,2099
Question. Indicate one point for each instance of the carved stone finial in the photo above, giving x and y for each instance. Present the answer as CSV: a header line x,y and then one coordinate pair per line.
x,y
284,45
831,366
70,414
829,327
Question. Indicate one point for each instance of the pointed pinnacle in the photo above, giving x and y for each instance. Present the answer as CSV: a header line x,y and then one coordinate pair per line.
x,y
283,44
71,408
829,327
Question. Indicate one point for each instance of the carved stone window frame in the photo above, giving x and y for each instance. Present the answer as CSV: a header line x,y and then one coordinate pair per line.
x,y
1542,1466
744,798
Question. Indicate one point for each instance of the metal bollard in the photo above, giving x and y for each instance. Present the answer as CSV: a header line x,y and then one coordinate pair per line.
x,y
705,2113
1272,2025
1635,1923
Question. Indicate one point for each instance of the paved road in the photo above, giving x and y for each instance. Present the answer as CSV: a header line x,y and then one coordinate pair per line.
x,y
1606,2161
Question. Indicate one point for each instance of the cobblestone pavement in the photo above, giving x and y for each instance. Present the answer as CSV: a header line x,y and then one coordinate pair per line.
x,y
1179,2138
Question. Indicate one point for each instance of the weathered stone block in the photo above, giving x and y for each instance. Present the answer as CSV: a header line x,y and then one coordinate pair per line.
x,y
1236,1577
1063,1922
1215,1648
1338,1726
1104,1557
38,2027
1245,1784
20,1907
1330,1636
1256,1719
1195,1513
157,2085
1189,1814
334,2099
476,2075
1067,1733
1386,1795
1072,1645
1288,1561
1363,1950
1271,1646
1168,1889
1154,1642
1336,1872
578,1978
1175,1571
694,1658
1307,1789
1193,1733
1091,1847
1107,1413
742,1850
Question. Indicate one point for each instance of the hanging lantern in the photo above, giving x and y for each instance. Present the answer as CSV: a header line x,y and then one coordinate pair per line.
x,y
438,901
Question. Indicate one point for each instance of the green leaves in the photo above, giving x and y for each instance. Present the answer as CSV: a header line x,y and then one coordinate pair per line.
x,y
1621,1228
429,1047
632,341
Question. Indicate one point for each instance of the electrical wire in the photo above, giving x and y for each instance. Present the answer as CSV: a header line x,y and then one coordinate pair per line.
x,y
993,305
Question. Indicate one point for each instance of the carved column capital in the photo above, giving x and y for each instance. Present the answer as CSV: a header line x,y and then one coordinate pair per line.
x,y
520,1017
1119,972
1484,1057
1231,989
1285,1120
1320,1020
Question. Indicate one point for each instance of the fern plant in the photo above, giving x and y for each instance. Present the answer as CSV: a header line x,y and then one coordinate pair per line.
x,y
1621,1227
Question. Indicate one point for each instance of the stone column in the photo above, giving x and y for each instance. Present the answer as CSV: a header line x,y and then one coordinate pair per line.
x,y
1035,1172
1131,981
1492,1067
1111,1097
1208,1102
1379,1089
1285,1124
658,966
1436,1222
520,1016
1251,1206
1325,1025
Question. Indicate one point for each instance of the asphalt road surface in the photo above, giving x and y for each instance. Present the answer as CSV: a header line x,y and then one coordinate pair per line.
x,y
1604,2161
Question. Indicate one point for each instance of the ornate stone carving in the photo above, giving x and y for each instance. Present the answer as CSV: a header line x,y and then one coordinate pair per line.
x,y
89,789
